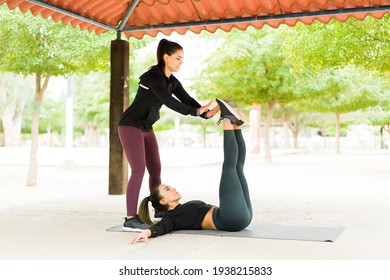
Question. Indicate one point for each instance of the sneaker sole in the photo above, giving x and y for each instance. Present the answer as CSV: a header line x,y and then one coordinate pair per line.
x,y
127,229
237,109
231,110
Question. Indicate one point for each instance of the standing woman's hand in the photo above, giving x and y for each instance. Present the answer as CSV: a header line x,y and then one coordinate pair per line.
x,y
205,108
212,112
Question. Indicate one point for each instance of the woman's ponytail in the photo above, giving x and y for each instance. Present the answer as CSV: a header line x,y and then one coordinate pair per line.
x,y
143,211
154,198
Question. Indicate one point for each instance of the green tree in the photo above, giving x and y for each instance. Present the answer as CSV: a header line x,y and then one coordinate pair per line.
x,y
249,68
324,48
340,91
91,98
34,46
51,119
14,95
292,120
338,44
380,115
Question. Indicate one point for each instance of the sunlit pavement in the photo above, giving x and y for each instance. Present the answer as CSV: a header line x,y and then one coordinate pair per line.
x,y
67,214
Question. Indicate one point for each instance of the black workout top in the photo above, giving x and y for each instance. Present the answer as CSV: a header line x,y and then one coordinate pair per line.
x,y
189,215
154,90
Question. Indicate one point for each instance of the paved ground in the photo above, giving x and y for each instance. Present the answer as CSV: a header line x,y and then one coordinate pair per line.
x,y
66,216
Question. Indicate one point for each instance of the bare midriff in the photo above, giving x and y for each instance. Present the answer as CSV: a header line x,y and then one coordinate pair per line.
x,y
207,222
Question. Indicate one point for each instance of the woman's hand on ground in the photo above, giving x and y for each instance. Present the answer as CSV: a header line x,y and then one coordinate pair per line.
x,y
143,236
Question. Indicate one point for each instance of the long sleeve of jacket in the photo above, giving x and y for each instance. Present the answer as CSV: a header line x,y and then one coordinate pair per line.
x,y
155,90
166,225
184,104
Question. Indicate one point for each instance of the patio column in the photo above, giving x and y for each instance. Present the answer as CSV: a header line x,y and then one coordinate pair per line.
x,y
119,100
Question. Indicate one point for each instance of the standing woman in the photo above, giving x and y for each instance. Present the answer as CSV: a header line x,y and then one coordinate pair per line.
x,y
156,88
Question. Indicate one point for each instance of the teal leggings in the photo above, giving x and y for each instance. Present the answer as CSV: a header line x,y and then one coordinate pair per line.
x,y
235,210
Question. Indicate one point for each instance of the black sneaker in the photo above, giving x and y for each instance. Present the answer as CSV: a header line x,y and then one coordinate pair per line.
x,y
237,109
134,224
230,111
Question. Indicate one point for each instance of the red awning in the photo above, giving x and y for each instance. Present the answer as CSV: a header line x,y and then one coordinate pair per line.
x,y
139,17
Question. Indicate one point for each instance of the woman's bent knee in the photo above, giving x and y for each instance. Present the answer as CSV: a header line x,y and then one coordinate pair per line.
x,y
231,222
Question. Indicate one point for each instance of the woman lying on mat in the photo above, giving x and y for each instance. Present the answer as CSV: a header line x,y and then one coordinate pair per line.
x,y
235,210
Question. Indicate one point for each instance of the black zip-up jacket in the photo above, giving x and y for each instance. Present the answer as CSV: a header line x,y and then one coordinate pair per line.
x,y
154,90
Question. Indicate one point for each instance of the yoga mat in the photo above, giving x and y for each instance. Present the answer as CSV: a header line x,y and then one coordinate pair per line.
x,y
270,231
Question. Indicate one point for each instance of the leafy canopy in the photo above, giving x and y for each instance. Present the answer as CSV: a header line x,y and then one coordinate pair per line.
x,y
247,67
338,44
31,45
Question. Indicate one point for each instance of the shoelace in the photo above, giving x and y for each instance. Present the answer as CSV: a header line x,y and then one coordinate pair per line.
x,y
219,121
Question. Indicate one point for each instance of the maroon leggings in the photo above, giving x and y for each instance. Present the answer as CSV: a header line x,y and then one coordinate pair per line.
x,y
141,149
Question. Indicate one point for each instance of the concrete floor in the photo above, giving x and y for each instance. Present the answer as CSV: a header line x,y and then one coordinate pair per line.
x,y
66,216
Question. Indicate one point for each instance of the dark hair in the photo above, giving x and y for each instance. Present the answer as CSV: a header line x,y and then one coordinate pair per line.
x,y
165,47
154,198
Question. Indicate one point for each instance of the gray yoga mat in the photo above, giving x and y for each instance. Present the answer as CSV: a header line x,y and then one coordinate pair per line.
x,y
270,231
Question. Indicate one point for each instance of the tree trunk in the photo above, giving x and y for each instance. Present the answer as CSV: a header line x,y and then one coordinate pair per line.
x,y
13,102
285,119
119,101
295,132
296,141
38,98
381,139
12,122
337,133
295,127
255,125
92,135
267,146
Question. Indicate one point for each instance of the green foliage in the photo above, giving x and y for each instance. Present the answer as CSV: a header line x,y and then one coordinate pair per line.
x,y
251,71
331,130
338,44
52,116
254,66
91,101
379,118
33,45
340,90
380,115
